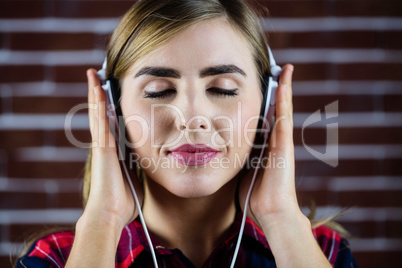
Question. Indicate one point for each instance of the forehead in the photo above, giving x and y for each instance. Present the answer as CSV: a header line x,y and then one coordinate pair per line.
x,y
207,43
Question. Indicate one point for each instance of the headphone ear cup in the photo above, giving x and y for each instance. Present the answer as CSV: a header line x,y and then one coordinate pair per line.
x,y
109,99
270,93
271,111
107,87
269,115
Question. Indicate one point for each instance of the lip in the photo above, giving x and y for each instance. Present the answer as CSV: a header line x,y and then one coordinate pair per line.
x,y
194,148
193,154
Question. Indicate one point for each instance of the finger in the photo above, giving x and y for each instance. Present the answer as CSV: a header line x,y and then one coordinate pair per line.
x,y
282,136
280,174
99,123
92,82
106,139
286,75
286,79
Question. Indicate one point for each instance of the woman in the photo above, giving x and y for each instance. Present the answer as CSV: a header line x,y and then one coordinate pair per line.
x,y
190,77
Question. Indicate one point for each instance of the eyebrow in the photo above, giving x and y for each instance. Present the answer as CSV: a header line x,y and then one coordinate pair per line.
x,y
209,71
221,69
158,72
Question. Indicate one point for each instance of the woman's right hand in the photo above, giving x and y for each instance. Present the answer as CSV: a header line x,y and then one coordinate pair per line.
x,y
110,205
110,195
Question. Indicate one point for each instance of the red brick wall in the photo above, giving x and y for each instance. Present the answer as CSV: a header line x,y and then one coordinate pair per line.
x,y
345,51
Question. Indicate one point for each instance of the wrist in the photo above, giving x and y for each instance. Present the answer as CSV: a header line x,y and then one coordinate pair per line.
x,y
95,242
292,242
285,222
106,227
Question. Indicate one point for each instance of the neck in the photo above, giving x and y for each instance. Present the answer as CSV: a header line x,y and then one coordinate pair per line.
x,y
194,225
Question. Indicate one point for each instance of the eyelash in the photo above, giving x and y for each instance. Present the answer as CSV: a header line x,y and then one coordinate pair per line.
x,y
165,93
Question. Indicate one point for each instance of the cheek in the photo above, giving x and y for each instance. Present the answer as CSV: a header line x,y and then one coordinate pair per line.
x,y
138,129
250,123
137,122
137,119
149,126
250,112
248,133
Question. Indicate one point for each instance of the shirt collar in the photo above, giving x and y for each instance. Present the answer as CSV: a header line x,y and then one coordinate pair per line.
x,y
134,236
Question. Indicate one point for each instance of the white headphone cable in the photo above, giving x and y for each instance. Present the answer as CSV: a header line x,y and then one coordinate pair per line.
x,y
243,221
137,202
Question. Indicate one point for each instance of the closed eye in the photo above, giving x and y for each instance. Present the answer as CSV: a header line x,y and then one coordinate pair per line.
x,y
160,94
213,90
224,92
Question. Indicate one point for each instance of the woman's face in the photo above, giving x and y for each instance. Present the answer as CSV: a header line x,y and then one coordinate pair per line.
x,y
200,88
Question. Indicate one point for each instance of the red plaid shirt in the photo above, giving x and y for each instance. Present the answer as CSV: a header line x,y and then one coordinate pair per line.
x,y
133,251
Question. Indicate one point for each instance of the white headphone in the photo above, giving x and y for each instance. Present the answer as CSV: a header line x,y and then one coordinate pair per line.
x,y
268,121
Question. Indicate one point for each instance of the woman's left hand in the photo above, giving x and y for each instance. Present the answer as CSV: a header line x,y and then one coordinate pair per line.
x,y
273,197
273,203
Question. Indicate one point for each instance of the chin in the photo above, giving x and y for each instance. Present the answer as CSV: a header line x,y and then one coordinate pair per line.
x,y
193,186
190,181
192,191
190,184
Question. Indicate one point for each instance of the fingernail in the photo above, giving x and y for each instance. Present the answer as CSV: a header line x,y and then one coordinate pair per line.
x,y
291,68
96,90
285,87
90,77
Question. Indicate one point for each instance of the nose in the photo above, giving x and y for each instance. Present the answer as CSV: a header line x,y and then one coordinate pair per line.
x,y
194,123
195,110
